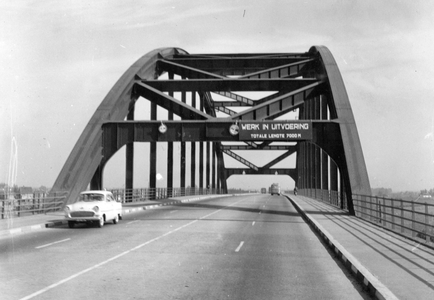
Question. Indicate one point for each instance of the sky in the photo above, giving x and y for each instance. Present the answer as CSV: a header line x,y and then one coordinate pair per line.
x,y
59,59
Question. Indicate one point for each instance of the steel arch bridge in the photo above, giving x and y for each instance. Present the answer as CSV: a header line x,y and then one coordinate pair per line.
x,y
225,103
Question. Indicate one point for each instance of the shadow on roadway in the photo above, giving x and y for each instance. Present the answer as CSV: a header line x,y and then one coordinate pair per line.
x,y
244,209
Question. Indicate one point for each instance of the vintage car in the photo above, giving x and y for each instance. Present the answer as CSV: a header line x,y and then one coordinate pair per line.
x,y
94,206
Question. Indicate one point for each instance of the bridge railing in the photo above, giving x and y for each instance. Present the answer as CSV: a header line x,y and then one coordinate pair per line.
x,y
138,195
410,218
331,197
17,204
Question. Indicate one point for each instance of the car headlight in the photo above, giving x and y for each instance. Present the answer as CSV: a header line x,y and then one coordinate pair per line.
x,y
95,209
66,209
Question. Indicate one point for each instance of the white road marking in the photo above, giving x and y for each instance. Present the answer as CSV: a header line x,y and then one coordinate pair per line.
x,y
121,254
131,222
46,245
239,247
253,224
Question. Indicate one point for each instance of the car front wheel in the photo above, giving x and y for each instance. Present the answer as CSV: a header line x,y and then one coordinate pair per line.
x,y
101,222
71,224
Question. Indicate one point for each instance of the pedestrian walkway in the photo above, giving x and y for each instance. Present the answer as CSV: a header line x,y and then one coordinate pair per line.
x,y
391,266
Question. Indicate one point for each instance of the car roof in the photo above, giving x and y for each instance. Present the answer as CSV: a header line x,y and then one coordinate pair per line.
x,y
96,192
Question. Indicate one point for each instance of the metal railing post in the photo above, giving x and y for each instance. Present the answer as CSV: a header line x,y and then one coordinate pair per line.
x,y
427,235
402,216
378,210
413,216
393,214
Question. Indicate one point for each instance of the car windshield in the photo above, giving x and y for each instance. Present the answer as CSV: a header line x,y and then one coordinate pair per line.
x,y
91,197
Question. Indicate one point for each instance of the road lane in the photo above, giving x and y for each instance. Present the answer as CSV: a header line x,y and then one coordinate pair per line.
x,y
239,247
90,245
187,253
53,243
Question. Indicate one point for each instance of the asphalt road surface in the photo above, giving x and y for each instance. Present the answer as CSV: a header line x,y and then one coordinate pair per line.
x,y
245,247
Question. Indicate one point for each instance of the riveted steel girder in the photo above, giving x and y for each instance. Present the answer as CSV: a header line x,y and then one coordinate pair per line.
x,y
277,171
84,160
260,147
165,101
277,106
240,85
118,134
232,65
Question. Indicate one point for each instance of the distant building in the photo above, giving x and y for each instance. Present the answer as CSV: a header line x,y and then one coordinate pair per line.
x,y
26,192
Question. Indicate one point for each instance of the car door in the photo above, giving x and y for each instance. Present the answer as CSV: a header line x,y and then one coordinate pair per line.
x,y
109,205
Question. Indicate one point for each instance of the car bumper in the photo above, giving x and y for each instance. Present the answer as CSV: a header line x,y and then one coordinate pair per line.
x,y
81,218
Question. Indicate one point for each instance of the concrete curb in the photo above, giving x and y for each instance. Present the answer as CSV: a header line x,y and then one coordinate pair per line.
x,y
371,283
29,228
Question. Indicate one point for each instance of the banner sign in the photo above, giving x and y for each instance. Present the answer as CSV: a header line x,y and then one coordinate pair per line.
x,y
275,130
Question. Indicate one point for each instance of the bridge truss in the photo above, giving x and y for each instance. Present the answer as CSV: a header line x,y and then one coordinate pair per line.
x,y
202,96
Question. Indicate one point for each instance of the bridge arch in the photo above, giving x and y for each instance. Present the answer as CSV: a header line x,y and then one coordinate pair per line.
x,y
203,96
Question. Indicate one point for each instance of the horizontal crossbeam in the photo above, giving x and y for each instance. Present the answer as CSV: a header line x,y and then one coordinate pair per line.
x,y
244,63
284,71
259,147
118,134
210,85
278,171
185,71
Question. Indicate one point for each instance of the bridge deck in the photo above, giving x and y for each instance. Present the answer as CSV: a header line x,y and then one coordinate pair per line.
x,y
394,267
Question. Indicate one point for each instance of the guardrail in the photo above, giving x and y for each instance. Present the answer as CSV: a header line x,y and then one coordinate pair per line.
x,y
410,218
413,219
332,197
17,205
137,195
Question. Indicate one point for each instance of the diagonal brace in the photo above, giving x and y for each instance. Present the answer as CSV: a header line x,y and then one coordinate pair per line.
x,y
241,160
280,158
171,104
